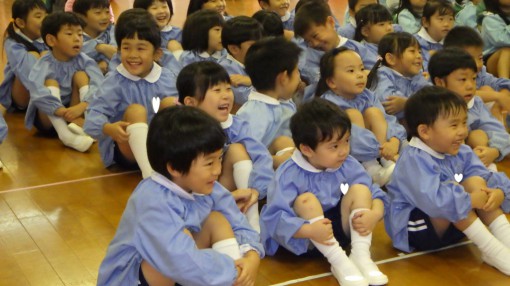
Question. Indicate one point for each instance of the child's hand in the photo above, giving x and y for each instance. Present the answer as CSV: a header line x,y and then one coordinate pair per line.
x,y
74,112
249,266
321,231
486,154
364,221
117,131
60,112
478,199
389,149
394,104
494,200
245,198
108,50
173,46
237,80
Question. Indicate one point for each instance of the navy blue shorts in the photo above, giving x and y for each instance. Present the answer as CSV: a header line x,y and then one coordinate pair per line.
x,y
423,236
121,160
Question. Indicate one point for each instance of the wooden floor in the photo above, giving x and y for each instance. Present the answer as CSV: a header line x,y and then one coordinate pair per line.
x,y
59,210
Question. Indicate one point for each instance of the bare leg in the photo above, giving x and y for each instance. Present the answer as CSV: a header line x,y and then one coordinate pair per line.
x,y
375,121
356,117
135,113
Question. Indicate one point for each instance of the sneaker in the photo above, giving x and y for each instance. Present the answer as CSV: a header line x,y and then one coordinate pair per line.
x,y
370,271
348,280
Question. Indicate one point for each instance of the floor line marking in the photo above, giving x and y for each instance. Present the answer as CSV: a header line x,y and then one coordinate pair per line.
x,y
402,257
66,182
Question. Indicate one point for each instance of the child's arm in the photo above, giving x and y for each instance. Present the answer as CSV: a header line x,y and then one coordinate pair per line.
x,y
238,80
40,95
253,113
106,49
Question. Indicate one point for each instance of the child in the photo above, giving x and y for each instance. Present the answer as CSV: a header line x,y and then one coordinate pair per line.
x,y
437,21
69,8
271,23
98,33
23,46
163,10
272,66
130,96
323,196
201,38
440,191
456,70
219,6
468,12
343,81
180,225
348,29
496,38
62,82
247,165
494,91
398,73
315,24
237,37
408,15
280,7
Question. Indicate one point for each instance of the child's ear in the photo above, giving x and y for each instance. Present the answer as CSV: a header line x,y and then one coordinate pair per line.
x,y
51,40
439,82
331,84
264,5
425,23
306,150
234,50
364,31
390,58
282,78
173,173
158,53
20,23
423,131
190,101
330,22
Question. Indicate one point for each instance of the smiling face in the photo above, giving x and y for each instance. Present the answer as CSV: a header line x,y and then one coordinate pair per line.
x,y
329,154
218,101
447,133
67,43
280,7
461,81
409,63
97,20
215,5
322,37
31,26
138,56
438,25
161,13
349,78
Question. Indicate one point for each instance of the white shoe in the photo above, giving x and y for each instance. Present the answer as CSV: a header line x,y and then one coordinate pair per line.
x,y
498,262
370,271
492,167
81,143
349,280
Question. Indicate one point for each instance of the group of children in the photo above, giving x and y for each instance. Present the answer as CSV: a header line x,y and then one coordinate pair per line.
x,y
209,115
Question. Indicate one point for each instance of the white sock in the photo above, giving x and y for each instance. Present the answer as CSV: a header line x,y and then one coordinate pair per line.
x,y
138,143
492,167
83,92
229,247
55,91
493,251
500,228
379,175
242,171
78,142
252,214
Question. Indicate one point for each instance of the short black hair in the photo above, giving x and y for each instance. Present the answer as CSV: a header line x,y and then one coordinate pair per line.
x,y
395,43
140,23
311,13
83,6
317,121
444,7
448,60
271,23
195,5
370,15
428,104
269,57
195,33
463,37
178,135
52,24
145,4
240,29
21,9
196,78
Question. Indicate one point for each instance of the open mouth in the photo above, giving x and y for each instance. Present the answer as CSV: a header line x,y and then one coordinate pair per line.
x,y
224,107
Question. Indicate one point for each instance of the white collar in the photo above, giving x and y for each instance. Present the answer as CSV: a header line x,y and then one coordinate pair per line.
x,y
417,143
286,17
206,55
425,35
227,123
300,160
262,97
342,41
471,103
230,57
167,28
152,77
352,20
18,31
173,187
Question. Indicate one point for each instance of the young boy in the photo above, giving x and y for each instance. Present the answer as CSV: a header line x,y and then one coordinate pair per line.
x,y
494,91
272,66
323,196
316,25
131,94
237,36
98,37
440,191
62,82
456,70
180,225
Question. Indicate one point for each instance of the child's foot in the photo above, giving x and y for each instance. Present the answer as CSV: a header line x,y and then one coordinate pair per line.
x,y
492,167
379,174
80,143
499,261
370,270
77,129
348,275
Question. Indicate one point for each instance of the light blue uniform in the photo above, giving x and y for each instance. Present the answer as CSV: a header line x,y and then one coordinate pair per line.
x,y
467,16
48,67
479,118
267,117
19,64
408,22
238,131
119,90
233,66
427,44
495,34
105,37
425,179
170,33
152,229
3,128
288,21
279,222
483,78
167,61
188,57
390,82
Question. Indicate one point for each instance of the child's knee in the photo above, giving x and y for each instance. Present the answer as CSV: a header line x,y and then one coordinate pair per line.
x,y
477,137
216,220
167,102
80,78
359,192
236,152
51,82
135,113
281,143
306,203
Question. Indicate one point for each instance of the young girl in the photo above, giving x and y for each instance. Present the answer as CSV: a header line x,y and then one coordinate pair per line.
x,y
62,82
281,8
398,73
163,10
343,82
247,164
437,21
131,95
201,38
23,46
219,6
408,15
496,37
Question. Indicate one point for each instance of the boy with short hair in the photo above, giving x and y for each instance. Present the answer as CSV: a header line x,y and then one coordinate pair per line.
x,y
440,190
180,225
456,70
237,36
